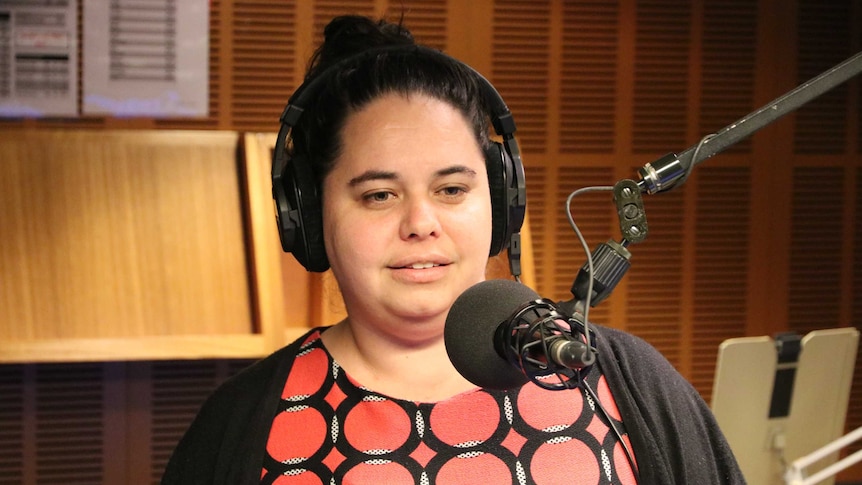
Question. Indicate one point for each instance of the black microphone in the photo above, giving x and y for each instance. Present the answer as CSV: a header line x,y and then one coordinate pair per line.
x,y
500,334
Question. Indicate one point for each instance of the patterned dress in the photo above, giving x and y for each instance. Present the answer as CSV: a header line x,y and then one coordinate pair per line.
x,y
329,429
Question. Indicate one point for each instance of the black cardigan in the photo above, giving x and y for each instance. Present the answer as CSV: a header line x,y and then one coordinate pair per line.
x,y
674,436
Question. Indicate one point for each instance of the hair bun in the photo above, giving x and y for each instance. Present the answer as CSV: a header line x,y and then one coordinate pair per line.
x,y
348,35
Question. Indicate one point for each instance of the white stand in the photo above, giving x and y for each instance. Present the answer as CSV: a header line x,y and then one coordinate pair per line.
x,y
742,393
796,475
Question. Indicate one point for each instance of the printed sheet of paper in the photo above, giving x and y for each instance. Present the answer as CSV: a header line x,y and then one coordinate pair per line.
x,y
38,58
146,58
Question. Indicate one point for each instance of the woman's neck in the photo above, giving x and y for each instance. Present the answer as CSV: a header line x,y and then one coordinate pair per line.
x,y
416,370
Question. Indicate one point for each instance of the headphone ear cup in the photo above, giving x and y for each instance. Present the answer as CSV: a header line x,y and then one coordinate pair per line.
x,y
498,164
300,217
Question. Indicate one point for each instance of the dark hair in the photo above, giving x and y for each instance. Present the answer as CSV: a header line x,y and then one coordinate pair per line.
x,y
352,80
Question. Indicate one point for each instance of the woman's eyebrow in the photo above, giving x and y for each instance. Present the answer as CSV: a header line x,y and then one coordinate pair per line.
x,y
456,169
372,175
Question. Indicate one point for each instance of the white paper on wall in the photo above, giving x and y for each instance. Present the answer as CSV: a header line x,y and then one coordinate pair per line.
x,y
146,58
38,58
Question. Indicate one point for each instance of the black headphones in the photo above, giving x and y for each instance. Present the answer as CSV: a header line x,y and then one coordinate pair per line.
x,y
298,206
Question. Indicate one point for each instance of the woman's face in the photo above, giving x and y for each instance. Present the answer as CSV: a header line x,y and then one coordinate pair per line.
x,y
406,210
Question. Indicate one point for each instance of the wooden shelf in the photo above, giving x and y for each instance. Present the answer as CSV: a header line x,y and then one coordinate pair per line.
x,y
139,245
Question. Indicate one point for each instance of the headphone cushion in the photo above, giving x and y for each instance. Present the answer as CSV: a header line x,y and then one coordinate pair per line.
x,y
497,163
302,192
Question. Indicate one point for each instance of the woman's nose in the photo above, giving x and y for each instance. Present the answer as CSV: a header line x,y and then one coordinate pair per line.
x,y
420,219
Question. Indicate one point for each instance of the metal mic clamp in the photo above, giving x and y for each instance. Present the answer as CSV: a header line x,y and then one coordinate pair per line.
x,y
630,211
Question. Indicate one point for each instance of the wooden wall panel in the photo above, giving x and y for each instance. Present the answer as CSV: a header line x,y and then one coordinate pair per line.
x,y
539,224
520,55
661,70
816,241
720,291
12,424
588,72
824,40
728,66
65,423
263,55
176,391
68,436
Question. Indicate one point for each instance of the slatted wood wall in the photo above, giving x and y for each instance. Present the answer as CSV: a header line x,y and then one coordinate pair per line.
x,y
763,238
85,423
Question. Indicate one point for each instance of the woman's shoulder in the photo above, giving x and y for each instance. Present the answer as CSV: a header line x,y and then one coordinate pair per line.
x,y
632,356
619,340
232,420
259,373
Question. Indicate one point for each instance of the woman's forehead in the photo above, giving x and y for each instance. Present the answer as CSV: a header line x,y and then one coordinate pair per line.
x,y
395,133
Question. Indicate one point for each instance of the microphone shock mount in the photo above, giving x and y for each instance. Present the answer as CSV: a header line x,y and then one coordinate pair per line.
x,y
543,342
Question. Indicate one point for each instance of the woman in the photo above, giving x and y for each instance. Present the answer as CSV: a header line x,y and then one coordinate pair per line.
x,y
389,180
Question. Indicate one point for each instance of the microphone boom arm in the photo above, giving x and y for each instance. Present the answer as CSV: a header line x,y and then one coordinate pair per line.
x,y
672,170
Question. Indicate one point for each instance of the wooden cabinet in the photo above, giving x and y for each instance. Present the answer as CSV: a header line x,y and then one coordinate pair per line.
x,y
120,245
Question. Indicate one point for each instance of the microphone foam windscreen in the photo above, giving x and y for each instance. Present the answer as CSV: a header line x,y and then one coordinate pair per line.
x,y
470,332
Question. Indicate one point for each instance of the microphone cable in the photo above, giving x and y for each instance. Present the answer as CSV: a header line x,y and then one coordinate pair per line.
x,y
630,457
587,301
586,248
694,161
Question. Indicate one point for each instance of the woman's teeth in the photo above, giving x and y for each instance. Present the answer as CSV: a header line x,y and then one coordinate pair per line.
x,y
423,265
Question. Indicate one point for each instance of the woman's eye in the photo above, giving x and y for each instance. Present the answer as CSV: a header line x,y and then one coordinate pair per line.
x,y
377,196
453,191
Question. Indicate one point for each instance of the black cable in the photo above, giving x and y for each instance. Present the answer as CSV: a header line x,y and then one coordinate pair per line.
x,y
589,390
629,455
703,141
587,251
